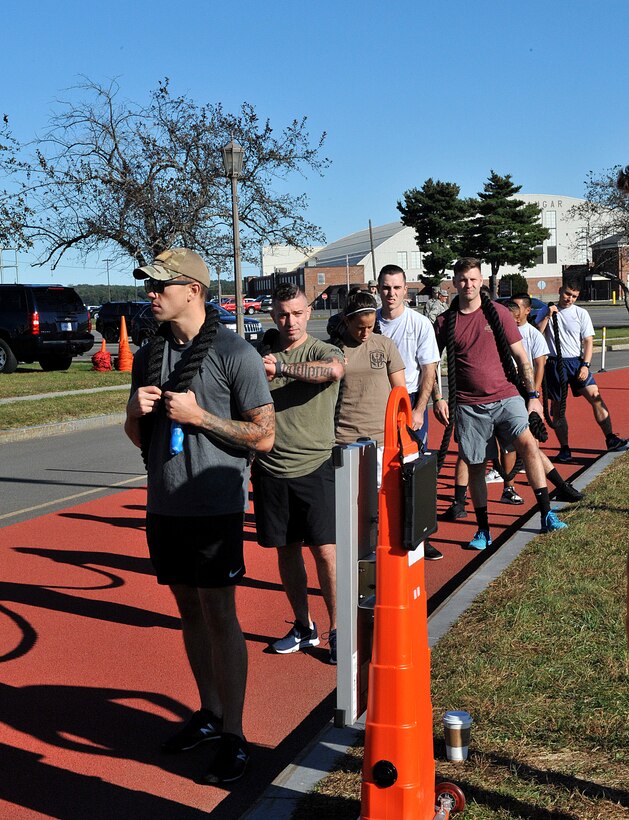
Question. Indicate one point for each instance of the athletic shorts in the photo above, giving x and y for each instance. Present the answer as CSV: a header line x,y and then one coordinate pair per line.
x,y
294,510
203,551
478,426
571,369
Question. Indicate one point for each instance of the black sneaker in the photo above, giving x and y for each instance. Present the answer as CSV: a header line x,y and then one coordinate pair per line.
x,y
614,442
564,456
230,761
431,553
566,492
300,637
510,496
455,511
332,645
202,726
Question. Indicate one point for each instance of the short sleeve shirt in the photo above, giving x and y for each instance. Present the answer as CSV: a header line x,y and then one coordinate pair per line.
x,y
574,325
480,377
533,341
365,388
415,339
304,415
208,477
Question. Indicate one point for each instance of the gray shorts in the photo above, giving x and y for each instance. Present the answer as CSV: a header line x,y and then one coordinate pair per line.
x,y
478,426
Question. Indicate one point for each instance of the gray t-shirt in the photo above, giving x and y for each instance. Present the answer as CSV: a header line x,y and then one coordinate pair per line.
x,y
207,477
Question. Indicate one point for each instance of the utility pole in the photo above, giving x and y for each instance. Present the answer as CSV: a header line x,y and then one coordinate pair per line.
x,y
107,261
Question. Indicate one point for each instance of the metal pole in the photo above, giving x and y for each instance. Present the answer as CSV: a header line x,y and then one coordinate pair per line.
x,y
240,319
604,348
107,261
373,253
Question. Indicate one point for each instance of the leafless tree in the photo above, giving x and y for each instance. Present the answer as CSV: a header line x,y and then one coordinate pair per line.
x,y
136,179
14,212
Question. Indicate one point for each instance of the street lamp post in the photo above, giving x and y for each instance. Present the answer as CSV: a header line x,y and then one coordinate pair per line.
x,y
232,161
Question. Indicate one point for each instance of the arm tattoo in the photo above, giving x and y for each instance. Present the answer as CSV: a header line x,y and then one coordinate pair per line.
x,y
259,424
314,372
526,374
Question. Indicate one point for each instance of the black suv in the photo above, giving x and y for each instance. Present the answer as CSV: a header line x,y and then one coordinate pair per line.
x,y
144,325
44,323
108,321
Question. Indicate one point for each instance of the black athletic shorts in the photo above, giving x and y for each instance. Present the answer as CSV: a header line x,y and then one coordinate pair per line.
x,y
294,510
204,551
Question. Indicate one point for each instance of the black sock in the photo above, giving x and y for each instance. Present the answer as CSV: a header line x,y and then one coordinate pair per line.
x,y
460,491
554,476
481,518
543,501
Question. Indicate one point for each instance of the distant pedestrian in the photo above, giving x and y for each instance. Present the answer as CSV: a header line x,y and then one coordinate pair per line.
x,y
569,362
372,287
437,305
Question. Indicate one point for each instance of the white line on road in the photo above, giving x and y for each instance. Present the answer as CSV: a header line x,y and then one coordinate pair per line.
x,y
71,497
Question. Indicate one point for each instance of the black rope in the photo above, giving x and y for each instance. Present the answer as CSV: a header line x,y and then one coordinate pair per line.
x,y
183,374
553,422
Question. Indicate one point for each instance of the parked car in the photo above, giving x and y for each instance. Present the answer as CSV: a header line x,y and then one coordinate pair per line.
x,y
252,305
108,322
537,307
44,323
144,325
266,304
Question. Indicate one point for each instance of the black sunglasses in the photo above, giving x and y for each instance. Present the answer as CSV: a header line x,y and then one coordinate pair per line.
x,y
158,285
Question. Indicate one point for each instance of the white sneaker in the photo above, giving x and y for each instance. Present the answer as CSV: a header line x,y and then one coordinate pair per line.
x,y
493,476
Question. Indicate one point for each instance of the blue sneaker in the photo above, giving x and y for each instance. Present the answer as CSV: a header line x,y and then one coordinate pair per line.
x,y
481,540
552,523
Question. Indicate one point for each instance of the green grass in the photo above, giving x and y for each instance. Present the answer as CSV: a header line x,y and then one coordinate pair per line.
x,y
30,379
63,408
540,661
612,333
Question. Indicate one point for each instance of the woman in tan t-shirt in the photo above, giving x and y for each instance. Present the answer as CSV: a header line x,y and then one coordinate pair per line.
x,y
373,366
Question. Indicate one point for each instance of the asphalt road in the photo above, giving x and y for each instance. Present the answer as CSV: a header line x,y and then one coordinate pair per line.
x,y
39,476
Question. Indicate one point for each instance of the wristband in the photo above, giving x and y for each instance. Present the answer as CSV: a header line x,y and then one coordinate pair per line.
x,y
278,369
585,364
533,394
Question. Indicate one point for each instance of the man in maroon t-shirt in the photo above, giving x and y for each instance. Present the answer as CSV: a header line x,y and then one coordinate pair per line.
x,y
488,404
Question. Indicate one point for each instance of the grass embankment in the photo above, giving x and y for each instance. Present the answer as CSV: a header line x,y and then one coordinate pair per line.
x,y
29,380
540,662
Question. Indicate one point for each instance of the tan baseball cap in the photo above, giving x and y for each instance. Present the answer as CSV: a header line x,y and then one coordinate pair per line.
x,y
173,263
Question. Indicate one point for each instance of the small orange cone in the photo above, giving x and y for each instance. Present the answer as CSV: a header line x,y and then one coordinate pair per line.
x,y
101,361
125,356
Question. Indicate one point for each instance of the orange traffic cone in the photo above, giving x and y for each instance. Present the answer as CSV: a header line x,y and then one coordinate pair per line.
x,y
399,766
125,356
101,361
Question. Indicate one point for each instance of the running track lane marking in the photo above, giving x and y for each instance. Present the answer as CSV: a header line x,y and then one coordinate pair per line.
x,y
71,497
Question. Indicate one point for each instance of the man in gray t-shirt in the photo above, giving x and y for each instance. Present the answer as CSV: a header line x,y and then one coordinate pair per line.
x,y
199,405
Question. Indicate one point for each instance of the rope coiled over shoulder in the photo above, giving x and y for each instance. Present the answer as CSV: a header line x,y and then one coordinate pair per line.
x,y
184,372
551,422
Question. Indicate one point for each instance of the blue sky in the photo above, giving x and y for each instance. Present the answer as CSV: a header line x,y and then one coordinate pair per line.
x,y
404,90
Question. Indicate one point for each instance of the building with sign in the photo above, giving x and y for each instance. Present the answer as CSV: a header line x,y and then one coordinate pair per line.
x,y
357,258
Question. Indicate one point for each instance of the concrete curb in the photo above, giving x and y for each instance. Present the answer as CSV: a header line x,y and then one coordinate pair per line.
x,y
299,778
58,429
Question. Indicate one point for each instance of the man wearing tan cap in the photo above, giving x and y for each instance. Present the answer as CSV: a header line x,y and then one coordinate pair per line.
x,y
372,287
208,385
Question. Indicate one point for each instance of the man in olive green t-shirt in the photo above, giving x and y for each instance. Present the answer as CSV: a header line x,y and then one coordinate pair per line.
x,y
293,484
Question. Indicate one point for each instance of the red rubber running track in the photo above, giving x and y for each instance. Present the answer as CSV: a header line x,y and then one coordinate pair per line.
x,y
93,673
